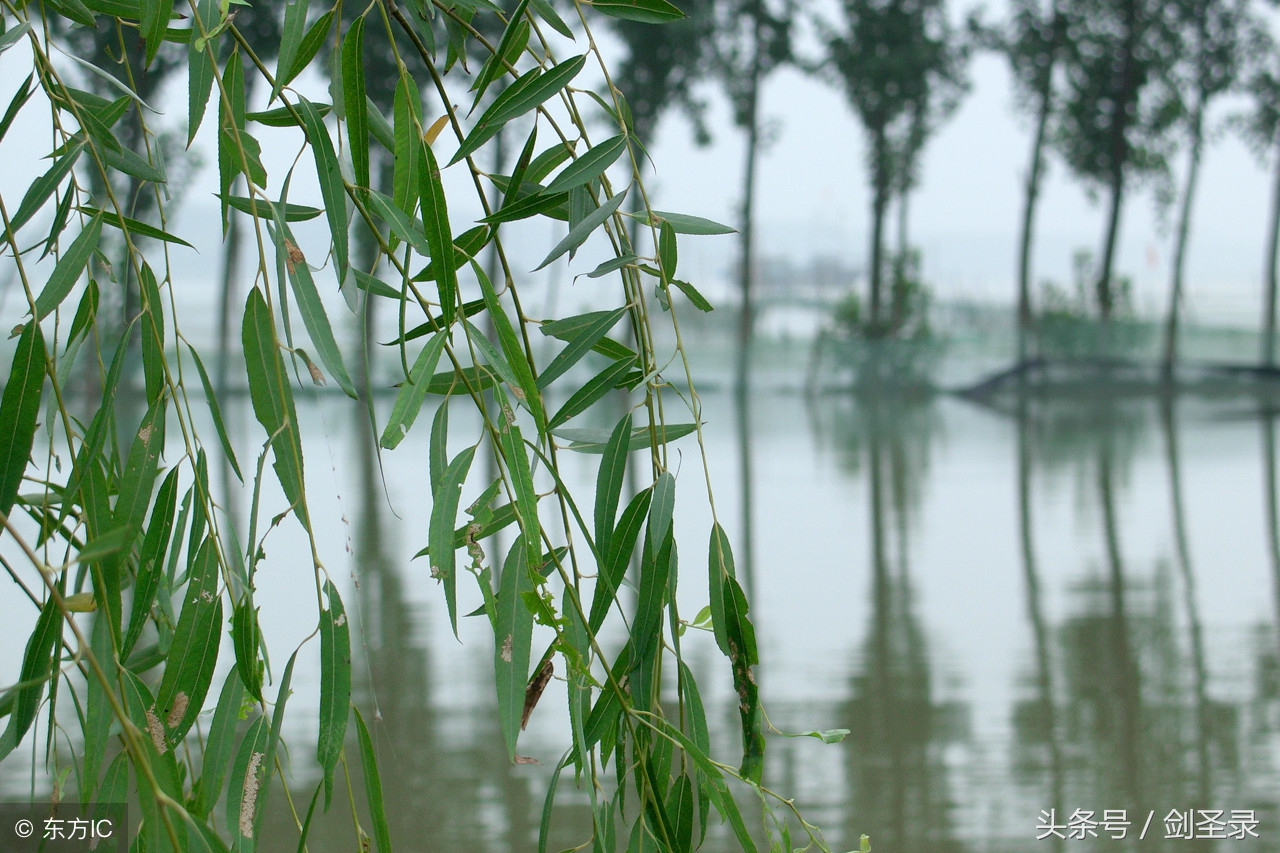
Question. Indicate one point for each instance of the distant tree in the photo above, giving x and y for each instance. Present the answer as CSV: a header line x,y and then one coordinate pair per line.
x,y
662,67
925,114
1261,129
751,42
1032,40
1212,37
894,59
1117,106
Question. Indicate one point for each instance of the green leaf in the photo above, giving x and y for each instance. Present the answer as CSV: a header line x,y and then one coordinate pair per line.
x,y
10,38
586,396
435,221
37,668
694,225
248,786
291,33
42,187
189,668
272,400
579,233
373,786
70,266
719,568
547,162
680,808
737,640
644,11
622,544
335,685
133,227
308,47
284,116
526,207
331,184
699,301
20,97
215,411
406,165
570,327
438,449
590,165
513,634
579,346
609,480
267,210
246,636
155,19
467,245
548,13
667,253
200,66
526,93
494,66
412,392
317,321
151,560
219,745
19,409
444,513
593,440
660,514
403,226
355,101
526,387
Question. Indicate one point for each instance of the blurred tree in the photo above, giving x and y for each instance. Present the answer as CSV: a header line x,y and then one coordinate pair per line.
x,y
752,41
1261,129
1118,107
901,68
1213,36
663,65
1032,40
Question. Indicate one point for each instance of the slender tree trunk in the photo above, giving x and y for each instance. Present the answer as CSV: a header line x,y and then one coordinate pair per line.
x,y
879,204
1269,274
1028,216
1180,248
1104,294
746,266
1119,157
900,269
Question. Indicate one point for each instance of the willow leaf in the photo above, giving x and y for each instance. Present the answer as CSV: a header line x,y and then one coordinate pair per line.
x,y
579,233
70,266
335,685
513,633
317,321
19,409
194,653
412,392
373,786
331,185
444,512
355,101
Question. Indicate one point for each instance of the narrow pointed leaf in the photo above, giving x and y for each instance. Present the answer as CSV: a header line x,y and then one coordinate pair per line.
x,y
331,185
317,321
580,232
194,653
579,346
435,222
444,514
373,786
219,746
70,266
335,685
512,639
354,100
587,396
19,409
412,392
590,165
215,411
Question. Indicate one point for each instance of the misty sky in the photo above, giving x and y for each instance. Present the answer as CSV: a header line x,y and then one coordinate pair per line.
x,y
813,197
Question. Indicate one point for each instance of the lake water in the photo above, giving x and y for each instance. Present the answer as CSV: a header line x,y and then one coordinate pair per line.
x,y
1035,603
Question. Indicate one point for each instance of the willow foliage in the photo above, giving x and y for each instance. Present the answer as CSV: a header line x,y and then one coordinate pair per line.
x,y
137,574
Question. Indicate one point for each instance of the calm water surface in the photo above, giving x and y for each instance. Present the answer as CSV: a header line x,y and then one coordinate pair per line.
x,y
1029,605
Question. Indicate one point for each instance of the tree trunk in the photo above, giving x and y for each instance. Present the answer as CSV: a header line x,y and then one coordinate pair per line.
x,y
879,203
1119,157
1273,254
1180,248
1028,217
746,271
